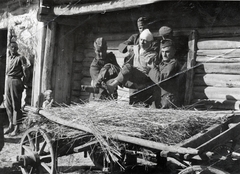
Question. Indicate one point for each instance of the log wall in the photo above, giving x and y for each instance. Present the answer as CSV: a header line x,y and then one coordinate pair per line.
x,y
217,55
217,76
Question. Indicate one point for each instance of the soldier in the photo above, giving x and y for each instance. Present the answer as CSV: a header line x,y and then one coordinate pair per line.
x,y
164,75
133,39
16,72
103,67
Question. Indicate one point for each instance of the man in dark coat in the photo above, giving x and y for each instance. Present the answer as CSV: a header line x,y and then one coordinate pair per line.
x,y
16,72
164,75
103,67
181,47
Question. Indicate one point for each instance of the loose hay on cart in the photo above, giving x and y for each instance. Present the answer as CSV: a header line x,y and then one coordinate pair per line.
x,y
110,117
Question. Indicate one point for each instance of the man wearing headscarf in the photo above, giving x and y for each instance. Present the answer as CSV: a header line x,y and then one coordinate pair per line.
x,y
164,75
136,71
103,67
16,71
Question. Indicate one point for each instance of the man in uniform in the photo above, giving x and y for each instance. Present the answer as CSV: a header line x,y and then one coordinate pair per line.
x,y
133,39
164,75
181,48
16,72
103,67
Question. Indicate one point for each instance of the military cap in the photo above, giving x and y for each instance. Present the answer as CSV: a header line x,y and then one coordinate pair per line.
x,y
100,43
167,43
142,21
165,30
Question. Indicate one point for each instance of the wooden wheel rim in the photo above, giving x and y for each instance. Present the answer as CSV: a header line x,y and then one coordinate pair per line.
x,y
198,169
36,144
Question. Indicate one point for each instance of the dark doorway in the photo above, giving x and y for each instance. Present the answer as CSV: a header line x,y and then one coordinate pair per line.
x,y
3,52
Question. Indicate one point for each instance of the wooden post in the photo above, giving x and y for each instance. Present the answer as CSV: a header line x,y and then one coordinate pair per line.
x,y
38,65
191,61
48,56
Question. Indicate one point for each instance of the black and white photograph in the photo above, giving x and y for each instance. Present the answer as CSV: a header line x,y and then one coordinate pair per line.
x,y
119,87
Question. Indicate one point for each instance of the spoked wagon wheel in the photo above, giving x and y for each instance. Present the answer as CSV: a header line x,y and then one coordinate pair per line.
x,y
36,153
198,169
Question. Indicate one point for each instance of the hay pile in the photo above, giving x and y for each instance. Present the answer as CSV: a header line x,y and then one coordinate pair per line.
x,y
109,117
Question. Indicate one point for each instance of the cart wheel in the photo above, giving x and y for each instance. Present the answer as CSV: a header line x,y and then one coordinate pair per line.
x,y
222,151
202,170
36,153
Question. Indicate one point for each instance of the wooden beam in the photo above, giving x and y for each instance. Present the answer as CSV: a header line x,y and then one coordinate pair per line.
x,y
219,43
230,134
217,80
48,57
214,59
154,145
85,146
219,53
202,92
192,44
218,68
38,66
219,104
100,7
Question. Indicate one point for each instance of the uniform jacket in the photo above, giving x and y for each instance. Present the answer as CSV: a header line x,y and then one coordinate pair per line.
x,y
165,76
98,64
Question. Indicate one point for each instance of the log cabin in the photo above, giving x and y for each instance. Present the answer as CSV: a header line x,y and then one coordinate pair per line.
x,y
57,37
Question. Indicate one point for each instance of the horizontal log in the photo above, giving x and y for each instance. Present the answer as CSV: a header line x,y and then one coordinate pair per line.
x,y
200,92
217,68
111,44
203,32
77,66
77,76
89,53
76,93
214,59
219,53
76,85
219,43
217,80
213,32
218,104
86,81
85,71
86,146
99,7
154,145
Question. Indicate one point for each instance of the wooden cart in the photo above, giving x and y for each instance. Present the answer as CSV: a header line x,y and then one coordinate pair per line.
x,y
200,153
